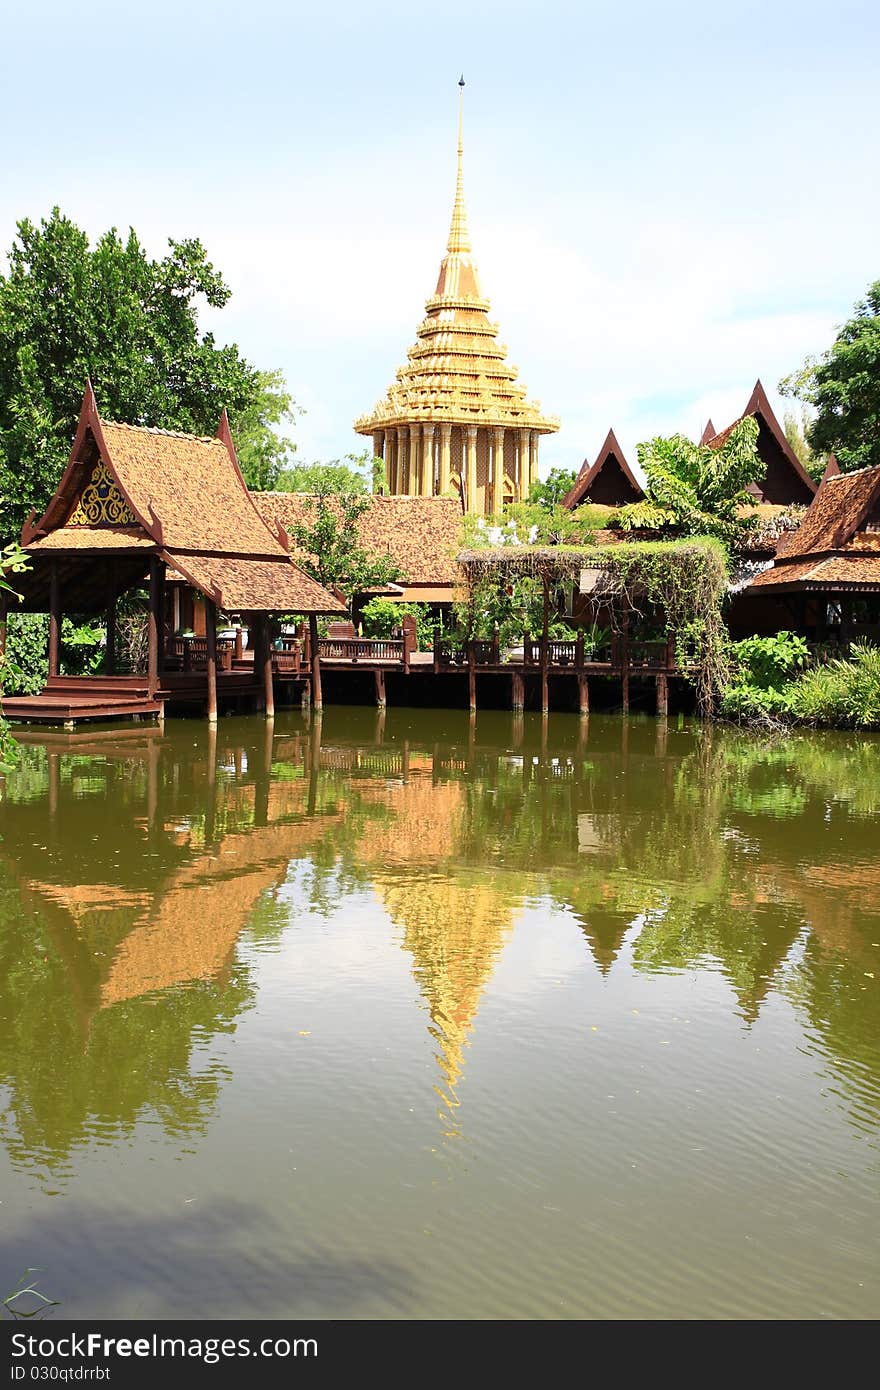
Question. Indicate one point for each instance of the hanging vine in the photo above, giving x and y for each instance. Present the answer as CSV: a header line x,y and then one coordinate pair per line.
x,y
685,580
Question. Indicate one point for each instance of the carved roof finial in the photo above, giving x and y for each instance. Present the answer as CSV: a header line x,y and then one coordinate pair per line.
x,y
459,239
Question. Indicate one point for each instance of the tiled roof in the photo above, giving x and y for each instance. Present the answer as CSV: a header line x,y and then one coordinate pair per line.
x,y
94,538
191,486
835,513
834,571
191,501
421,534
264,585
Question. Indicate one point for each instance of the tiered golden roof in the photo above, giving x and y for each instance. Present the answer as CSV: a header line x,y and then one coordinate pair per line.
x,y
457,372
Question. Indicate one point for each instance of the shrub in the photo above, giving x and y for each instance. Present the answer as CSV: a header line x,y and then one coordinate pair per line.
x,y
382,617
843,693
769,662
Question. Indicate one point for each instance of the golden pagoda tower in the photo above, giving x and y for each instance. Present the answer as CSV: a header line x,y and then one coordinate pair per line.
x,y
456,421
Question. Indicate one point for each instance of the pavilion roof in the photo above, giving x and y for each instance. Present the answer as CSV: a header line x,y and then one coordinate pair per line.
x,y
836,544
129,488
609,461
786,480
421,534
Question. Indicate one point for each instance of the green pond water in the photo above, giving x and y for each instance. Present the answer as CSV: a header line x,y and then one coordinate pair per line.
x,y
414,1016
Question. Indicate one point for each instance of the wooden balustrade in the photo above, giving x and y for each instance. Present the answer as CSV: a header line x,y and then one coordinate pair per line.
x,y
356,649
191,653
622,653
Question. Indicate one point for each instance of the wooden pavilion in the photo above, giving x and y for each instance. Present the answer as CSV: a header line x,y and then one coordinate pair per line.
x,y
609,481
826,576
147,506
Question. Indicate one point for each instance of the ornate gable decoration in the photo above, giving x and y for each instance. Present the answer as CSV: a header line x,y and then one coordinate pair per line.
x,y
101,503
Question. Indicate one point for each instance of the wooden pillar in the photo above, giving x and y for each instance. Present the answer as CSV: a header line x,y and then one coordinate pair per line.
x,y
110,649
472,678
380,689
518,687
624,623
445,458
625,691
583,694
268,687
545,649
211,639
414,477
662,696
317,695
498,470
427,488
54,622
3,622
157,594
470,477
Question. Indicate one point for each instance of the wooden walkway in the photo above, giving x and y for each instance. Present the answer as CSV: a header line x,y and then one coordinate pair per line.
x,y
74,700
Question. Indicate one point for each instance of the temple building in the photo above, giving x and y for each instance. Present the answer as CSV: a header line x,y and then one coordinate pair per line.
x,y
455,420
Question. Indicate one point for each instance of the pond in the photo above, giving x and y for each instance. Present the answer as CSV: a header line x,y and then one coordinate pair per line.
x,y
414,1015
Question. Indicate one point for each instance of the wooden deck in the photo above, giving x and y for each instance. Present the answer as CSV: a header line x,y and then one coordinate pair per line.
x,y
71,700
74,700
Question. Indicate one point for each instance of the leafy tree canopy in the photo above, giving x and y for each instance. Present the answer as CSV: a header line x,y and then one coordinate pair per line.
x,y
551,491
697,490
843,387
338,477
330,546
69,310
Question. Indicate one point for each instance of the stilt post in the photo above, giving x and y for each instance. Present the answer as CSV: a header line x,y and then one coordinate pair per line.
x,y
472,677
583,694
211,643
518,688
268,687
54,622
317,695
662,695
380,688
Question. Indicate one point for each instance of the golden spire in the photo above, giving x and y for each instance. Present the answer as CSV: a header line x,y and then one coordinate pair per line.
x,y
458,232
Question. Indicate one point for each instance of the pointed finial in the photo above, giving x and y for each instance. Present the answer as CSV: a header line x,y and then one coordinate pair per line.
x,y
458,232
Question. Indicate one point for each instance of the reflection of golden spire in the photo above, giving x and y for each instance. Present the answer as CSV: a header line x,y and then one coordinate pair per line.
x,y
459,239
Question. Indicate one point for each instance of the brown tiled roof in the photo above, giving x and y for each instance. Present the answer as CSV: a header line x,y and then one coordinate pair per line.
x,y
94,538
833,571
189,496
610,455
421,534
838,509
270,586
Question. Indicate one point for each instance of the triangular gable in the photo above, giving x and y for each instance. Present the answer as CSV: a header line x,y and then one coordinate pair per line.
x,y
610,482
709,432
90,492
841,507
785,480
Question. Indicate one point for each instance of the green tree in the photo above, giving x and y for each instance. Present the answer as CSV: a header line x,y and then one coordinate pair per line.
x,y
554,487
12,561
69,310
263,453
697,490
797,432
337,476
843,386
330,548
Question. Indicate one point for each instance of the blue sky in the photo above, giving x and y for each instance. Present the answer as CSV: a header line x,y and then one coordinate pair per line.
x,y
666,201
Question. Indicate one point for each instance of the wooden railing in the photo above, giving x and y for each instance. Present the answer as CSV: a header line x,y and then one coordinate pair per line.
x,y
355,649
620,654
287,656
191,653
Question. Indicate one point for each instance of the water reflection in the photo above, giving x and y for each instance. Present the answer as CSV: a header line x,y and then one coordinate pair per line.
x,y
132,862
